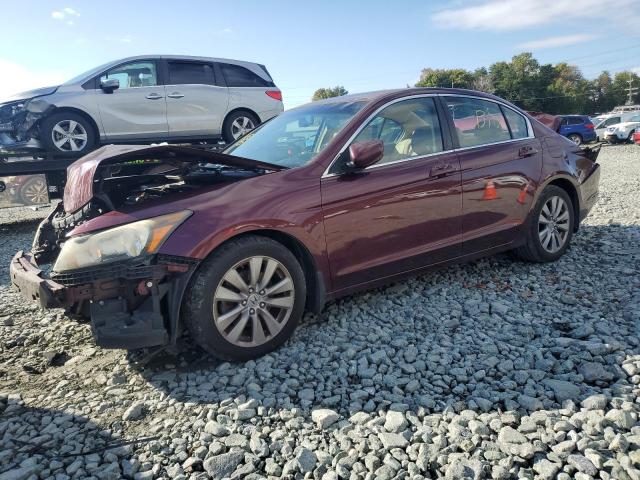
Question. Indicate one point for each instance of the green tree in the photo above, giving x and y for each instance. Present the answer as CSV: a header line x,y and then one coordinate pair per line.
x,y
322,93
456,77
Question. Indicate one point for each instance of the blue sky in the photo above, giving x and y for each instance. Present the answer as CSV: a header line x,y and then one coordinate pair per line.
x,y
363,45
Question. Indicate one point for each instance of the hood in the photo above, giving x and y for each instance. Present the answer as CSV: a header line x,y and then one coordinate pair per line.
x,y
83,178
623,125
38,92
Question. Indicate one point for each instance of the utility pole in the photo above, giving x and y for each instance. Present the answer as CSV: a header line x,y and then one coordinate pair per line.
x,y
631,90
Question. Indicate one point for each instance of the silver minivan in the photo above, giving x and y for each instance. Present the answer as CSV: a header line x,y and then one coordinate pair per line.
x,y
142,99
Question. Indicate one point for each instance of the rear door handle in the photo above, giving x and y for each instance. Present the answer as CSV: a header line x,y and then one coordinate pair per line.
x,y
154,96
175,95
527,151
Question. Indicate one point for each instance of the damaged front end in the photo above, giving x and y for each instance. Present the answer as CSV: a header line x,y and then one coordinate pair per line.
x,y
103,252
20,123
131,305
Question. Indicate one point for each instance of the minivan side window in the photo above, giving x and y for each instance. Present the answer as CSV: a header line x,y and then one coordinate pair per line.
x,y
517,123
194,73
133,75
477,122
409,128
237,76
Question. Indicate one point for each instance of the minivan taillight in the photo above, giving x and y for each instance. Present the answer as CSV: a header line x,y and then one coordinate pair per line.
x,y
275,94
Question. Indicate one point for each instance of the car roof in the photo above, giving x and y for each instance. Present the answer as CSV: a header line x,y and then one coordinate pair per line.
x,y
256,68
398,92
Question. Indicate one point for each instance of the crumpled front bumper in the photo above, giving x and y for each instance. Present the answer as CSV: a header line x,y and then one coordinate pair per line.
x,y
20,131
28,279
131,305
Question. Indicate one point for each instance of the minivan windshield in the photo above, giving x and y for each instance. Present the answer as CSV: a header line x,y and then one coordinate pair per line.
x,y
297,136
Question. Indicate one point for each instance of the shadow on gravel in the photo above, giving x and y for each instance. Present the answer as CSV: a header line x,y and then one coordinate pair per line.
x,y
45,442
492,335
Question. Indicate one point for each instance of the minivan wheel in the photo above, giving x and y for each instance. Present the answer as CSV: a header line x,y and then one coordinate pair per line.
x,y
67,133
238,124
246,299
550,227
575,138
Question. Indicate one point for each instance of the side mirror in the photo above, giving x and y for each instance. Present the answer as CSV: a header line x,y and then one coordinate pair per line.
x,y
365,154
109,85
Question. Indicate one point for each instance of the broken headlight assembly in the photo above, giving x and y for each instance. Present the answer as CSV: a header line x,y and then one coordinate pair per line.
x,y
120,243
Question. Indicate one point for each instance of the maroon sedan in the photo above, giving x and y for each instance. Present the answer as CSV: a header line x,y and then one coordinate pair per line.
x,y
323,200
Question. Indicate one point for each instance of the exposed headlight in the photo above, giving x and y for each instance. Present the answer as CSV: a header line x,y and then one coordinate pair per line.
x,y
119,243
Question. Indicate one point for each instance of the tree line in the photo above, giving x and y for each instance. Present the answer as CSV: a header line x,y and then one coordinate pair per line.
x,y
555,89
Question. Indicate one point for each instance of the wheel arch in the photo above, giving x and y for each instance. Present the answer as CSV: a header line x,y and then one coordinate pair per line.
x,y
77,111
316,288
241,109
568,186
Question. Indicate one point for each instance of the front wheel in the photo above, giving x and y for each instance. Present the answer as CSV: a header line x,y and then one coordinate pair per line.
x,y
67,134
550,227
246,299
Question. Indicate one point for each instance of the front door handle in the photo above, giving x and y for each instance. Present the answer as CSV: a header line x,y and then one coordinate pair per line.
x,y
440,170
527,151
175,95
154,96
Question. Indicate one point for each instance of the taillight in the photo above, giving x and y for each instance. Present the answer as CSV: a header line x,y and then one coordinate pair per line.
x,y
275,94
589,126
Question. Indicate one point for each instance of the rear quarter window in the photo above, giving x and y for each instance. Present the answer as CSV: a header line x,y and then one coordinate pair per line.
x,y
237,76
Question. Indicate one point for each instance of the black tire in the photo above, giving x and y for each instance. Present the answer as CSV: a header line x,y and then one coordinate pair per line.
x,y
47,134
532,250
197,311
34,191
575,138
227,126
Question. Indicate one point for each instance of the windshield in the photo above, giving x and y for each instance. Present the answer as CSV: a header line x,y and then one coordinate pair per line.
x,y
297,136
88,74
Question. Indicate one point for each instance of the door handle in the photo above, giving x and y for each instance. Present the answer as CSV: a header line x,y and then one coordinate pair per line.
x,y
440,169
154,96
527,151
175,95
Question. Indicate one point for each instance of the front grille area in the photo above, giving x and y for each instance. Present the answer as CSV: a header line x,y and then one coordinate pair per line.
x,y
151,267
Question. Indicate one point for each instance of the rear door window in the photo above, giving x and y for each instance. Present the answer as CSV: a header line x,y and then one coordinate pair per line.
x,y
194,73
477,122
575,121
237,76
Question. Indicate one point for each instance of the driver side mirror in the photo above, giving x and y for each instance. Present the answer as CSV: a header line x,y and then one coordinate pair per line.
x,y
365,154
109,85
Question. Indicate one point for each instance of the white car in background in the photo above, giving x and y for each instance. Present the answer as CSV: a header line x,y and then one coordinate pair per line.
x,y
602,122
622,132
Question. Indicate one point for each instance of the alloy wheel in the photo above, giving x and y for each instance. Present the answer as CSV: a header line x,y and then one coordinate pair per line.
x,y
253,301
69,136
36,192
553,224
241,126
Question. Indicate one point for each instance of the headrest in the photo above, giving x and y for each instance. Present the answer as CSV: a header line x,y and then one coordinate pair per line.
x,y
422,140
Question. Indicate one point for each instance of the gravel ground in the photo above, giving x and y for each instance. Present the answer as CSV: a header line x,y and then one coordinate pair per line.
x,y
495,369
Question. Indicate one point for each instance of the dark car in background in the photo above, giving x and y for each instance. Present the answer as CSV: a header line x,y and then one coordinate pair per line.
x,y
324,200
577,128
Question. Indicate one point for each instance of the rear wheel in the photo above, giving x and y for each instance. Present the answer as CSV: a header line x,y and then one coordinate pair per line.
x,y
34,191
238,124
550,227
67,134
246,299
575,138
